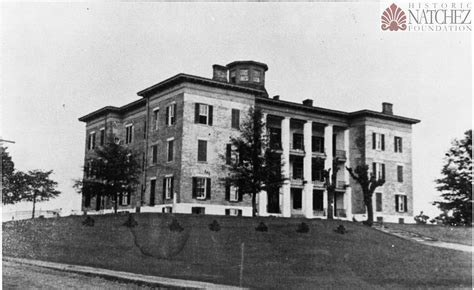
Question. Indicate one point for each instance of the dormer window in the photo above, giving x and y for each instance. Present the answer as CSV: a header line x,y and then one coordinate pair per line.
x,y
244,75
232,77
256,76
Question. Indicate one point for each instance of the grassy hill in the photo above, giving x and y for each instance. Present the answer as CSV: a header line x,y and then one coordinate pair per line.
x,y
279,258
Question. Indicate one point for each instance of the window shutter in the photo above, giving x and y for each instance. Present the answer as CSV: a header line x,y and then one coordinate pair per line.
x,y
240,194
167,115
373,140
395,149
210,115
405,202
374,169
172,188
164,189
194,187
120,198
235,118
383,142
396,202
400,173
227,191
383,171
401,145
228,154
196,113
322,144
208,189
175,114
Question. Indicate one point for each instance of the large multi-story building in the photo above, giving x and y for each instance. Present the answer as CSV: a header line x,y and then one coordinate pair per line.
x,y
181,128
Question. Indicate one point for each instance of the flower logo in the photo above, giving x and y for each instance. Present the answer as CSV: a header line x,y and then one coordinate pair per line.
x,y
394,18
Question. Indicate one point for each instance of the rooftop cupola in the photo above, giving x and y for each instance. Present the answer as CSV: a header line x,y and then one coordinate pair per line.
x,y
247,73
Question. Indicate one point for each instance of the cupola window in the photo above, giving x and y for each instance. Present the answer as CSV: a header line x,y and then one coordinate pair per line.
x,y
244,75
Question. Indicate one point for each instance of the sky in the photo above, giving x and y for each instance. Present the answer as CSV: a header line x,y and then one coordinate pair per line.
x,y
60,61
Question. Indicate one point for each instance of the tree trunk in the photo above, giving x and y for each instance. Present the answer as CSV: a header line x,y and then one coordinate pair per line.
x,y
34,205
370,212
254,204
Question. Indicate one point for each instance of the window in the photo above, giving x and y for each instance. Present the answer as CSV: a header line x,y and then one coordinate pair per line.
x,y
91,141
201,188
244,75
102,136
87,200
378,169
235,119
232,193
198,210
171,115
297,198
400,173
317,144
232,77
128,134
202,150
233,212
401,204
256,76
228,154
168,187
154,154
398,144
124,198
203,114
155,118
152,191
378,141
275,138
317,170
170,150
298,141
378,201
297,169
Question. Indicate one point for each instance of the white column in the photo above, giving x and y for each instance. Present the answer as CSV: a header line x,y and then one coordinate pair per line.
x,y
262,203
285,144
348,193
328,131
262,195
307,170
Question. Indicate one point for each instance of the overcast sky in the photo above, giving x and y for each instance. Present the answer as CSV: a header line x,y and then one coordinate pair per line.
x,y
61,61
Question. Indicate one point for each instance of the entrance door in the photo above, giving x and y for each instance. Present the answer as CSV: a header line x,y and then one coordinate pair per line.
x,y
296,195
273,199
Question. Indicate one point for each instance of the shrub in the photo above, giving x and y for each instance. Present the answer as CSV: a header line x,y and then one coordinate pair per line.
x,y
261,227
302,228
175,226
88,222
421,218
341,229
131,222
214,226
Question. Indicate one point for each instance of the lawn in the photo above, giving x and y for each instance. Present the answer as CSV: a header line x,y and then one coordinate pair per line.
x,y
460,235
280,258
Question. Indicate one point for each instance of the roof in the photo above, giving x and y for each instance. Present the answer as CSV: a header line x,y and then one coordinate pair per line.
x,y
349,115
180,78
247,62
112,109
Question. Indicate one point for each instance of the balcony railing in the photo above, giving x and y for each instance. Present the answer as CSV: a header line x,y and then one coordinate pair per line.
x,y
340,213
340,155
341,184
319,212
318,183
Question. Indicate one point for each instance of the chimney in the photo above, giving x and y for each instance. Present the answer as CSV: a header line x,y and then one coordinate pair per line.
x,y
308,102
387,108
276,97
219,73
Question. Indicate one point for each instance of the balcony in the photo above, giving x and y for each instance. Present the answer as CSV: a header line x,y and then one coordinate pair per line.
x,y
318,154
319,213
318,183
297,182
340,155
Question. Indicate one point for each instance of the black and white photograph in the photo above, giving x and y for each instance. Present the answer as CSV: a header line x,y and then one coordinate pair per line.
x,y
236,145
